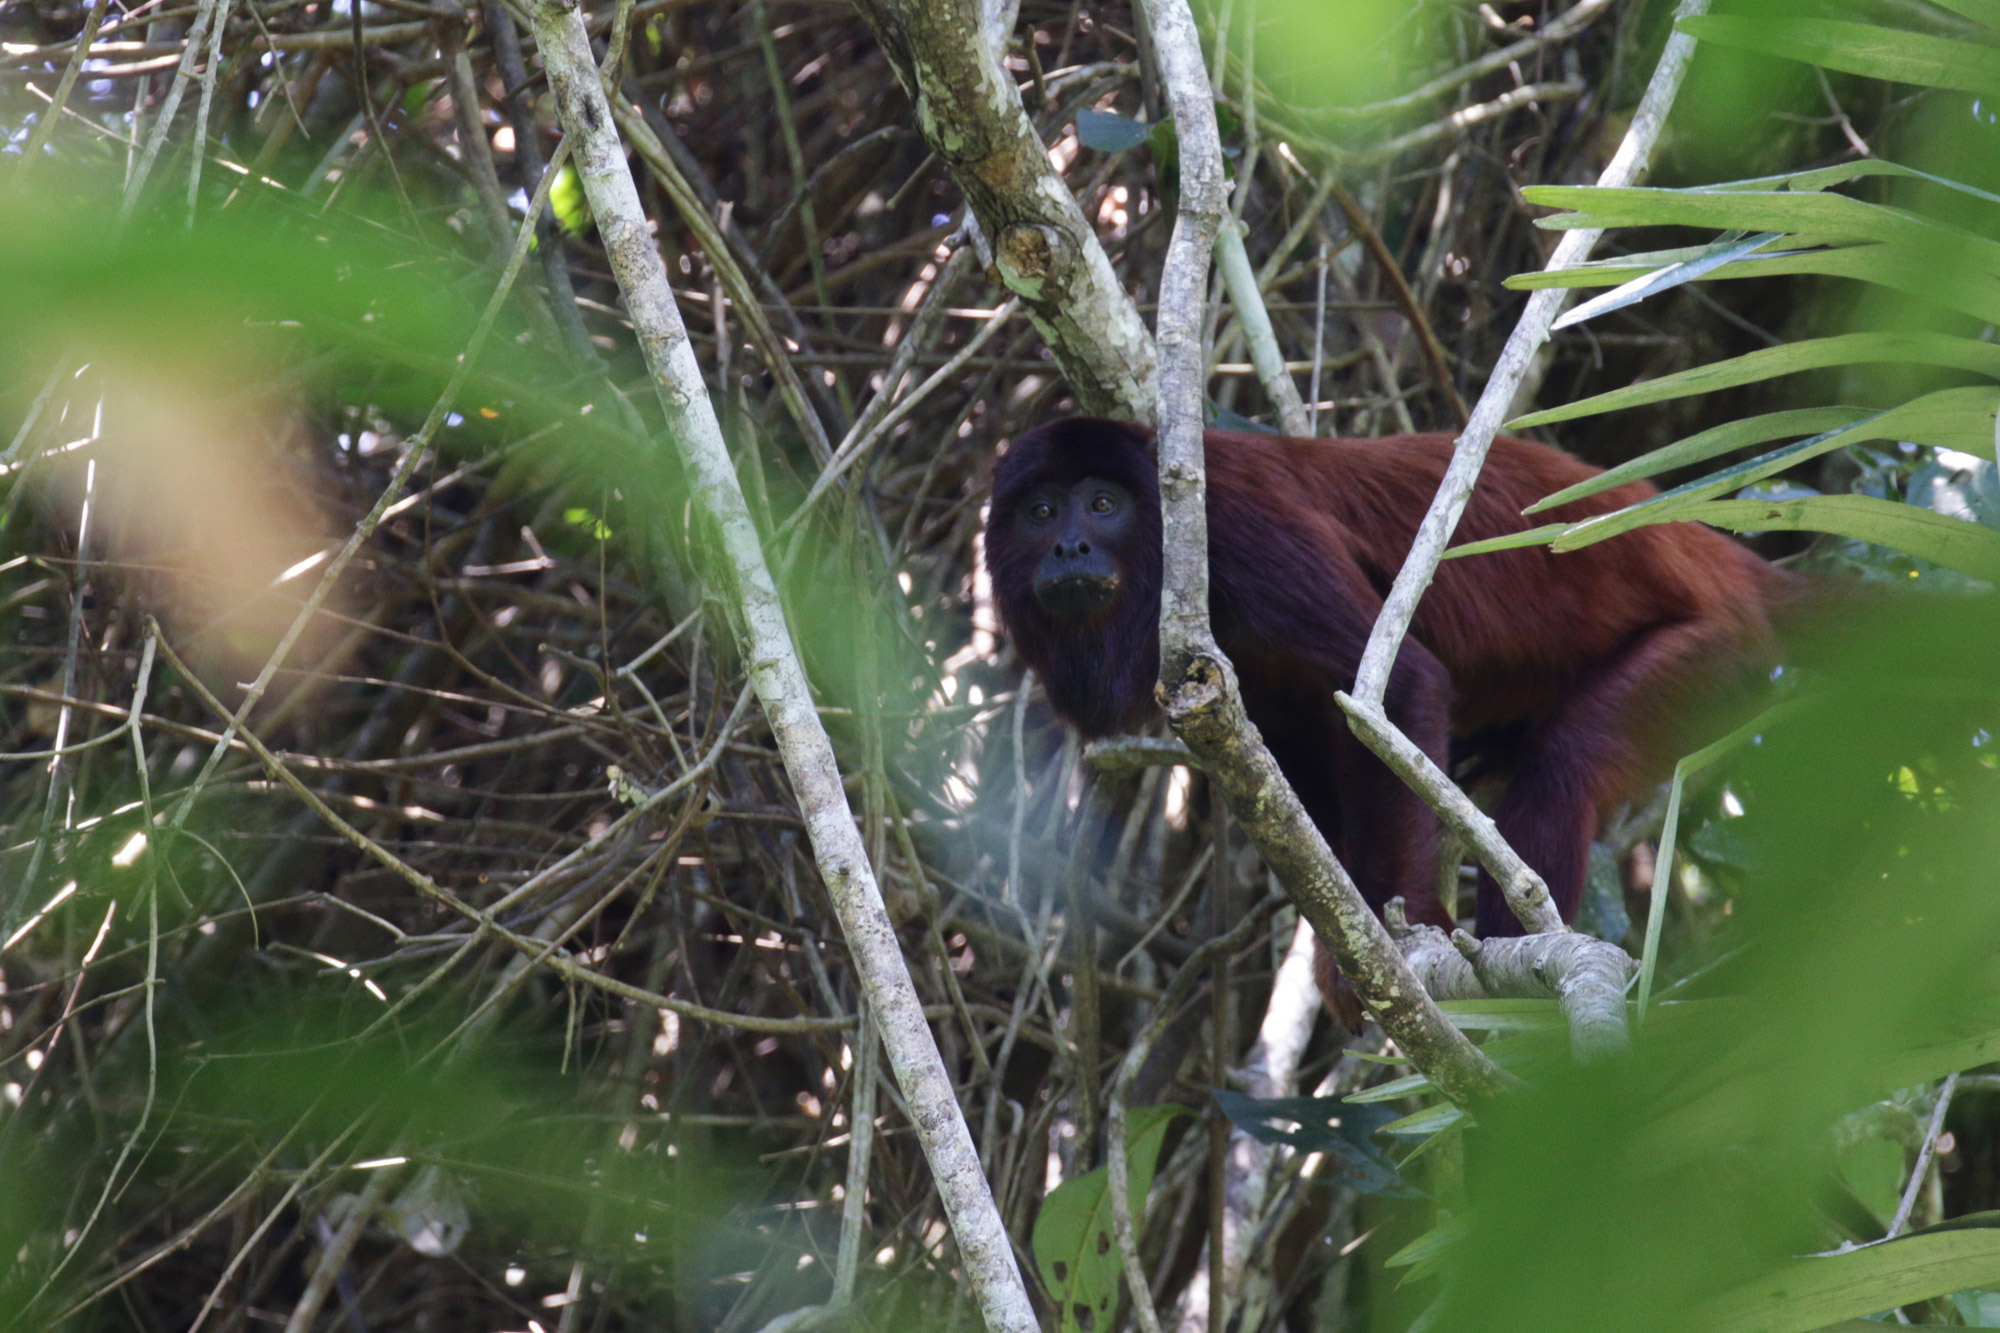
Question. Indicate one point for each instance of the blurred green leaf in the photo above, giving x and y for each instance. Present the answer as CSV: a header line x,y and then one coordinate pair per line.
x,y
417,94
1811,1293
1858,48
1649,1194
1165,142
1315,53
1986,12
567,200
1427,1253
579,517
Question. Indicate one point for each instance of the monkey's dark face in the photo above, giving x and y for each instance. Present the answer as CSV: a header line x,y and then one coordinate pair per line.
x,y
1079,531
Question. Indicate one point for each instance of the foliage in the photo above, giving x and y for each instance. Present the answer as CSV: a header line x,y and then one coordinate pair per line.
x,y
1075,1251
261,1064
1925,238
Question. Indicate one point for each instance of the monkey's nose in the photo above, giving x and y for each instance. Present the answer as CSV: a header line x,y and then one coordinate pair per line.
x,y
1070,550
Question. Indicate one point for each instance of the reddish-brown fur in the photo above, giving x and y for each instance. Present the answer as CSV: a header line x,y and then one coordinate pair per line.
x,y
1570,672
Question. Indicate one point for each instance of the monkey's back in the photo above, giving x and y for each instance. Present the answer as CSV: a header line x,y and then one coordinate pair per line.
x,y
1517,628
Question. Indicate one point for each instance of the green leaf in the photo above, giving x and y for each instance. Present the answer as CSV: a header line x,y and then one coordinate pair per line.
x,y
1394,1089
418,94
1910,269
1859,48
1825,233
1825,215
1955,418
567,200
1986,12
1165,142
1723,252
1928,1063
1109,133
1935,349
1541,536
1716,440
1812,1293
1426,1122
1428,1248
1955,543
579,517
1820,178
1329,1125
1782,211
1076,1252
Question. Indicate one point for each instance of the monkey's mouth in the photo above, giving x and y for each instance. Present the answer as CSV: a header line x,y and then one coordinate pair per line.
x,y
1076,595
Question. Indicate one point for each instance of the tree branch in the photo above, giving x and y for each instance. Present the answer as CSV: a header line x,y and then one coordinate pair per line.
x,y
777,675
1044,249
1627,165
1197,684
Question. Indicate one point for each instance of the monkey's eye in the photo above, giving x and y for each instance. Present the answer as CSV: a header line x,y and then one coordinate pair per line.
x,y
1102,504
1041,511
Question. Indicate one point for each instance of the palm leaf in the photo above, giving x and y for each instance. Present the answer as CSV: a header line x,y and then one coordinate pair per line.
x,y
1952,418
1954,543
1859,48
1846,349
1814,1292
1711,443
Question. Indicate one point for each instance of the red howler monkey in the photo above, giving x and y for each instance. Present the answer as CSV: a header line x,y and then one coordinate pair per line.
x,y
1566,671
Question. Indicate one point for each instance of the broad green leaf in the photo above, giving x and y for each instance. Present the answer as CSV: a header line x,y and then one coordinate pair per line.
x,y
1954,418
1075,1249
1812,1293
1935,349
1859,48
1711,443
1979,11
1934,1062
1955,543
